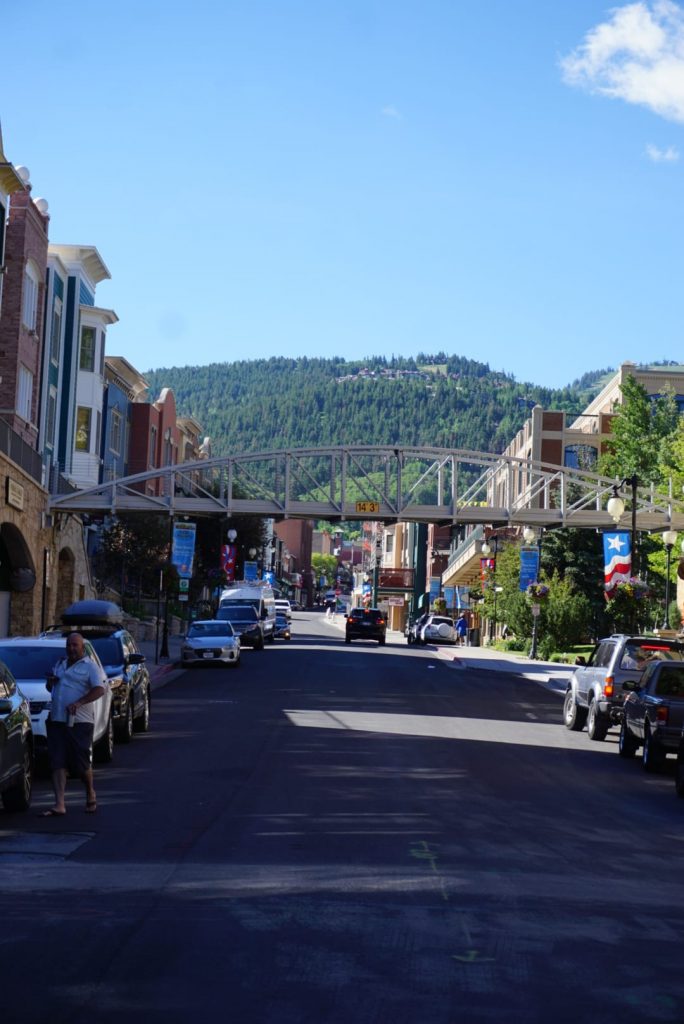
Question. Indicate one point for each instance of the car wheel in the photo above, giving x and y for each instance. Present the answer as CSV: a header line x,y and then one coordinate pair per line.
x,y
652,755
103,750
236,663
259,645
271,638
124,730
596,726
574,716
409,639
142,722
18,796
627,743
347,639
381,641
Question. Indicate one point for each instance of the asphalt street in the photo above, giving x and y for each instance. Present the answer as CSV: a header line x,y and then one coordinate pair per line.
x,y
334,834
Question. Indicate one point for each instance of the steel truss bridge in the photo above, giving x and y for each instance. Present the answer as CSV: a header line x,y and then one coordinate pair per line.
x,y
382,483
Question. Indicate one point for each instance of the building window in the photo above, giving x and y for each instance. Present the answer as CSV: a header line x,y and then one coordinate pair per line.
x,y
29,309
98,430
103,337
115,432
88,339
83,420
51,417
152,458
55,338
25,393
389,543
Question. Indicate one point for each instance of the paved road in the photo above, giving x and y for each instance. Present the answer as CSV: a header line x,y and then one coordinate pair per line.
x,y
335,834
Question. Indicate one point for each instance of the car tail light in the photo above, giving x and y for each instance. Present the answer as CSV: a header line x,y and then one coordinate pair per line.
x,y
662,715
609,686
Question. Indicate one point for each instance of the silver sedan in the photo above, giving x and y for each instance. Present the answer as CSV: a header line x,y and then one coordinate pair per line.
x,y
210,641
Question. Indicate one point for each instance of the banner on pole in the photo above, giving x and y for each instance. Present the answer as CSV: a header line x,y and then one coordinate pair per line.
x,y
617,558
183,548
228,559
529,566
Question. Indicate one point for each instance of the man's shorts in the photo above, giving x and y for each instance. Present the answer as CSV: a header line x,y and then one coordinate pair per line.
x,y
70,747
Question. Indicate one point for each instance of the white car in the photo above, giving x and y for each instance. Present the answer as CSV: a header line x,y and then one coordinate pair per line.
x,y
30,660
209,641
438,629
284,607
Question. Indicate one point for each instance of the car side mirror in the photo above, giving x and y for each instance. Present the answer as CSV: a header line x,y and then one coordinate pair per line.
x,y
5,706
136,659
630,685
580,660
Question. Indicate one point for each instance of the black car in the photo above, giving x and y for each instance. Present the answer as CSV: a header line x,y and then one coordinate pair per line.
x,y
245,622
365,624
16,745
122,660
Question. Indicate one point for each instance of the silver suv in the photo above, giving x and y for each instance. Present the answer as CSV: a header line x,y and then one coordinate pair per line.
x,y
595,695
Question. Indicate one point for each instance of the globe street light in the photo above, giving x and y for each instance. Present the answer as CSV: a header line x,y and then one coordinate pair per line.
x,y
669,540
529,535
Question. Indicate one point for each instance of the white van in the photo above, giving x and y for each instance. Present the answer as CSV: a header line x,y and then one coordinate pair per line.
x,y
254,595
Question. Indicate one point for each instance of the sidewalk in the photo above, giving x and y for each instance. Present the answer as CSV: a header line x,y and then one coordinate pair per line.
x,y
161,669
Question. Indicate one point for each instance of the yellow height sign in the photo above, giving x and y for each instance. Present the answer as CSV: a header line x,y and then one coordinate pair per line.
x,y
367,507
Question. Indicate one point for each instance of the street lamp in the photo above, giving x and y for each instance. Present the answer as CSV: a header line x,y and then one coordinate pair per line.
x,y
486,551
616,507
669,540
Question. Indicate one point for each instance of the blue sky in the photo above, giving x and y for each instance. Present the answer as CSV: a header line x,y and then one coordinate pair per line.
x,y
318,177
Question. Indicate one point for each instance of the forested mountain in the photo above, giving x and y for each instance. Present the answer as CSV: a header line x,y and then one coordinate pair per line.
x,y
439,400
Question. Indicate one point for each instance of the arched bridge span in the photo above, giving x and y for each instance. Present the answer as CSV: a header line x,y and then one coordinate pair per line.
x,y
383,483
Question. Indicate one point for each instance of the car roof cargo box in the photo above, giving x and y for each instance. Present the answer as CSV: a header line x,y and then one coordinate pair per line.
x,y
93,613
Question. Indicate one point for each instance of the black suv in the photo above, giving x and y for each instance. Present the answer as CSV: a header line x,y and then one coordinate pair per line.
x,y
365,624
122,660
16,745
245,622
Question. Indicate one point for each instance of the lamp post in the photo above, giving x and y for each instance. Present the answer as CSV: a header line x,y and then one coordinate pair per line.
x,y
616,507
530,536
669,540
486,552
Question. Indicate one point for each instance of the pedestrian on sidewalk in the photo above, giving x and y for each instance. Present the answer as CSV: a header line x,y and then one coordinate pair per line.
x,y
461,629
75,683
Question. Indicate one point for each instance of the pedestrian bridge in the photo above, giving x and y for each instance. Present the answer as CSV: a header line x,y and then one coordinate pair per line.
x,y
378,482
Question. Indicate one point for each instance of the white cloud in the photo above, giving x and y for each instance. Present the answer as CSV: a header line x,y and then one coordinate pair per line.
x,y
636,56
391,112
662,156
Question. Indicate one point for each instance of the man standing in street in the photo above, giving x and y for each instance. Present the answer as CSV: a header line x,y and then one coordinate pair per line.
x,y
76,683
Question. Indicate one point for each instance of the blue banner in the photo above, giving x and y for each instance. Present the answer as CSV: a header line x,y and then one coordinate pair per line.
x,y
435,586
529,566
449,595
183,550
250,571
269,577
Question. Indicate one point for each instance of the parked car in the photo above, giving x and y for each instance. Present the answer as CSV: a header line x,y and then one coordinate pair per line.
x,y
245,622
412,629
30,659
365,624
595,695
16,745
211,641
284,607
679,769
437,629
653,714
102,623
282,627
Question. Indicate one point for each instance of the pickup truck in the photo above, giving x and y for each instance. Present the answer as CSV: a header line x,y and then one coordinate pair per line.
x,y
653,714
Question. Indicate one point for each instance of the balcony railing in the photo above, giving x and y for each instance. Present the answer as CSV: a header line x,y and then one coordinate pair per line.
x,y
16,449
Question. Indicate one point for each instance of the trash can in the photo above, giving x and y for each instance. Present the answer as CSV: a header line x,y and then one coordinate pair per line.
x,y
474,636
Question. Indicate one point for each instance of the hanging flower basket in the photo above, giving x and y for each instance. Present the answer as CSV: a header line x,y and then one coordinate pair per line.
x,y
537,592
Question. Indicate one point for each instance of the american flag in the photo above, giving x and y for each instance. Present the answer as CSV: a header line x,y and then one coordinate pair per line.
x,y
617,558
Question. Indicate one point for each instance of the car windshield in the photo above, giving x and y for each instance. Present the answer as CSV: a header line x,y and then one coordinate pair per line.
x,y
638,655
210,629
31,662
238,613
109,649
